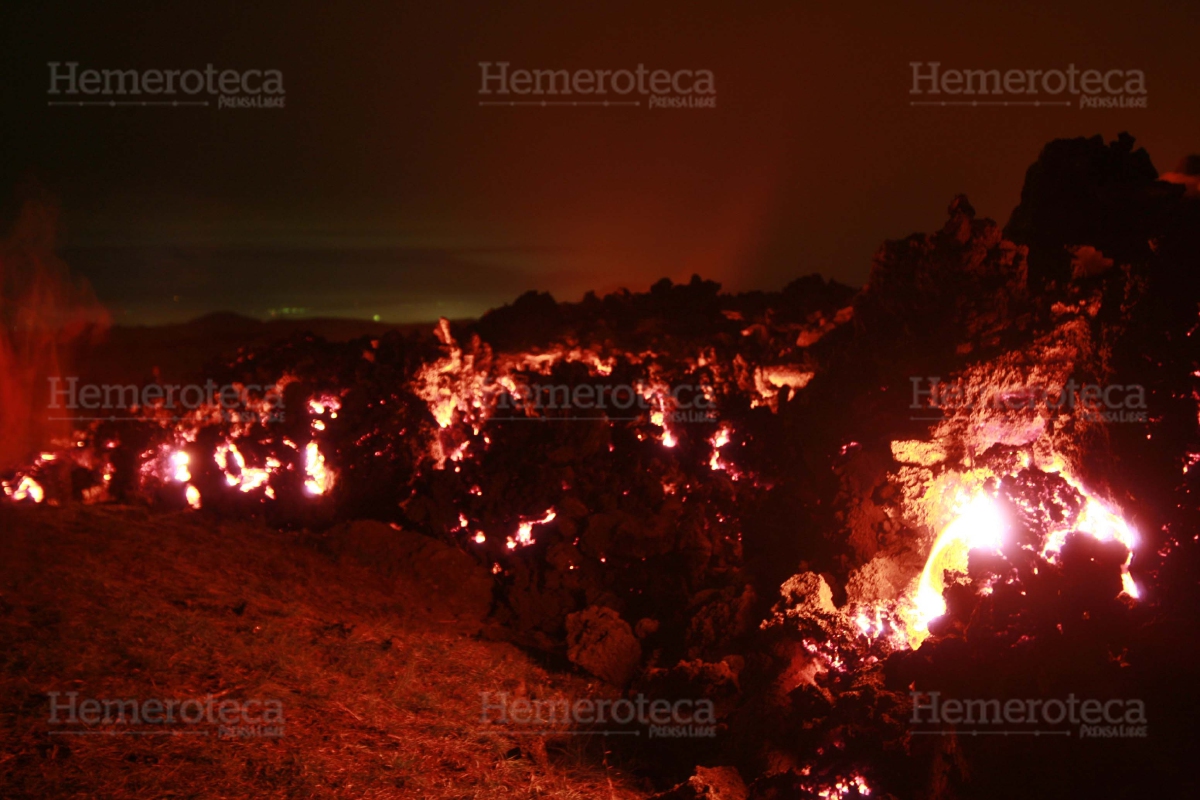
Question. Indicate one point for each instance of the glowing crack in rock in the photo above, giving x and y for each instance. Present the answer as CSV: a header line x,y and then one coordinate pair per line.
x,y
658,418
245,479
524,535
719,440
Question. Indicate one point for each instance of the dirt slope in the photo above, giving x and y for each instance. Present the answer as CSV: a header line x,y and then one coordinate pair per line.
x,y
380,696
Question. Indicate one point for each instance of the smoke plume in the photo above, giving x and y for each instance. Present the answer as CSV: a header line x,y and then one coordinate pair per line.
x,y
45,314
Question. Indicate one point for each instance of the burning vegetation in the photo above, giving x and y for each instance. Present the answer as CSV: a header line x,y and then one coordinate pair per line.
x,y
973,476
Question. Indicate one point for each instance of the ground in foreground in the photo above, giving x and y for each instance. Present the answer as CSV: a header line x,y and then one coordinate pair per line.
x,y
380,697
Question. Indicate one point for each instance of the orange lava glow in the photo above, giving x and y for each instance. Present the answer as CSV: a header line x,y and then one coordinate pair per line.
x,y
180,462
320,479
978,524
524,535
27,489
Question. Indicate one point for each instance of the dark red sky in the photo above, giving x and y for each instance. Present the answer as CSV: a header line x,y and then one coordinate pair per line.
x,y
384,188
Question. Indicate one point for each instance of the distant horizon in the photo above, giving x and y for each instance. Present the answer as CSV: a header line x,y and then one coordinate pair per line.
x,y
133,295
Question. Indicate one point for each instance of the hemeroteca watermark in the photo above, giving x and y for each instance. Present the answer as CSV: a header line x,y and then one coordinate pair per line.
x,y
226,717
232,401
1087,88
656,88
1091,718
232,88
1094,402
614,401
659,718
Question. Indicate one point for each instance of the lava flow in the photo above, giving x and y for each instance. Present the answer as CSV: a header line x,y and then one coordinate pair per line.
x,y
807,505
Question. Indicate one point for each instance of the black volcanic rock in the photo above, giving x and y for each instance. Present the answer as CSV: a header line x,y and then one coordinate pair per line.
x,y
1087,192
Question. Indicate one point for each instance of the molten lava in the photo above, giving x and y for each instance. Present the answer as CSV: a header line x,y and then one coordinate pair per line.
x,y
320,479
979,525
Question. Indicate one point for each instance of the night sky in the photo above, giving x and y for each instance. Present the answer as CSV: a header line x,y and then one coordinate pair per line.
x,y
384,188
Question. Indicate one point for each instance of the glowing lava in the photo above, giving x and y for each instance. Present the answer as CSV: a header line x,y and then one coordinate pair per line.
x,y
244,478
978,526
27,489
525,530
320,479
719,440
180,461
1100,522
